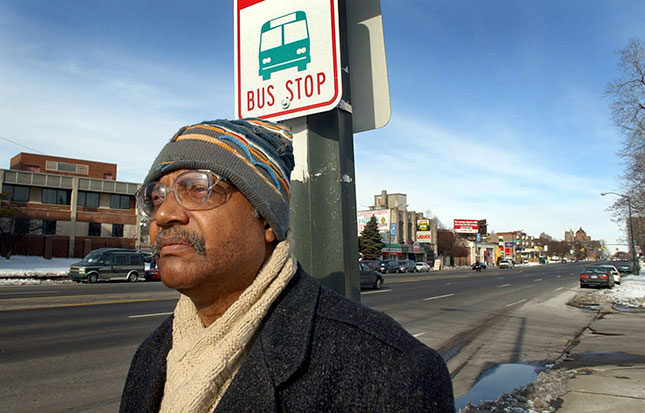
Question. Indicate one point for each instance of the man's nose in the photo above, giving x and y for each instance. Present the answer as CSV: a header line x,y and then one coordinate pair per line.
x,y
170,212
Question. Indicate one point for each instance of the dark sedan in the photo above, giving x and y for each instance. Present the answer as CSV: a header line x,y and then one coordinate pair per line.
x,y
597,276
370,278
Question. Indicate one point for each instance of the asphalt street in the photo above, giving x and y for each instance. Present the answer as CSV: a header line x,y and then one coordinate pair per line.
x,y
67,347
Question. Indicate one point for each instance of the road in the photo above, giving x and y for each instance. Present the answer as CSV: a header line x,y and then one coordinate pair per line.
x,y
67,347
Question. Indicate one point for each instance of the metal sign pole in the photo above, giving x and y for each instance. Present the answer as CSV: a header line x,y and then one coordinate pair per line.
x,y
323,191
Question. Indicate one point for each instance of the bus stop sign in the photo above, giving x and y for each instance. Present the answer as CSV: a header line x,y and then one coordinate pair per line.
x,y
287,58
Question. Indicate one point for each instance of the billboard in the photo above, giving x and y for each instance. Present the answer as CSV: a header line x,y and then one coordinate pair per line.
x,y
382,218
424,237
423,225
466,226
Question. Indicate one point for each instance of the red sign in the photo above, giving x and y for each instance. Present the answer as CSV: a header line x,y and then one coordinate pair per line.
x,y
466,226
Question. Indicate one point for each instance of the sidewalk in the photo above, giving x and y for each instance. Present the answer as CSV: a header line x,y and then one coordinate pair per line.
x,y
607,365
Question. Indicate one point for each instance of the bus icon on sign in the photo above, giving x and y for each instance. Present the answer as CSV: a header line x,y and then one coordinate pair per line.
x,y
284,43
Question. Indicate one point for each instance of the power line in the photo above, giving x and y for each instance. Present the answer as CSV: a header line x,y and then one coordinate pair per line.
x,y
20,144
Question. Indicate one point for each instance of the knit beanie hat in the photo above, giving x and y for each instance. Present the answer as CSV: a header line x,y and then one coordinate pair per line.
x,y
255,155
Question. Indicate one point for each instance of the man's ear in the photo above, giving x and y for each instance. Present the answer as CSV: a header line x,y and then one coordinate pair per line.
x,y
269,236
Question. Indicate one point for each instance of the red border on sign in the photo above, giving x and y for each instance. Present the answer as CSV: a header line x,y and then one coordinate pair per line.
x,y
241,4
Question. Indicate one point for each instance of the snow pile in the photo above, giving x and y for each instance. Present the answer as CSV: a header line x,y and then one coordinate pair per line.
x,y
21,269
630,293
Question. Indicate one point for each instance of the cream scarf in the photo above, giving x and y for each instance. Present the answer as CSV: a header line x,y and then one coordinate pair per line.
x,y
204,360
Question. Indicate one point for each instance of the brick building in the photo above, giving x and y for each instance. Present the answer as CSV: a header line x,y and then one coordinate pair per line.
x,y
68,207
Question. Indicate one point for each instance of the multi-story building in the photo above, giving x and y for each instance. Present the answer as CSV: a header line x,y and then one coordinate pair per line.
x,y
407,234
67,207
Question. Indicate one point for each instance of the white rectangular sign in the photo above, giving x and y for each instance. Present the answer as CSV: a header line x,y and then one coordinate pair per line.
x,y
287,58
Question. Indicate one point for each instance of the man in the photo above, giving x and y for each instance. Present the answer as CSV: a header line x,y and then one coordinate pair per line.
x,y
251,330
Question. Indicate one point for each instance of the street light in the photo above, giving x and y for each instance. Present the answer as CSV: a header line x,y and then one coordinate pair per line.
x,y
632,242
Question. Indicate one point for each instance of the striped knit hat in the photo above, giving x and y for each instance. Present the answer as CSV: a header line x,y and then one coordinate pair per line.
x,y
256,156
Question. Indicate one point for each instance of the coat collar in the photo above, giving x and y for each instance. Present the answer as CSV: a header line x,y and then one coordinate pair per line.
x,y
280,349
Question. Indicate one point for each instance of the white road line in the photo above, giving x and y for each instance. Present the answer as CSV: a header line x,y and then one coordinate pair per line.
x,y
417,334
449,283
558,276
558,289
149,315
504,285
539,279
439,296
375,292
516,302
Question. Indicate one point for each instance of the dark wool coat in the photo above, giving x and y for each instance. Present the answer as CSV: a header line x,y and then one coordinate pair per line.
x,y
316,352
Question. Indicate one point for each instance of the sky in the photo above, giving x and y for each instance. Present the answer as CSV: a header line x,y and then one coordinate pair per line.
x,y
498,110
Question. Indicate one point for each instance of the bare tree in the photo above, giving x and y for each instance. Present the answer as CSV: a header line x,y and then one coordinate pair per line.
x,y
627,93
14,225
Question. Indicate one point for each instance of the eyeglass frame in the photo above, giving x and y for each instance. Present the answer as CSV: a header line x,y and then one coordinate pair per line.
x,y
173,188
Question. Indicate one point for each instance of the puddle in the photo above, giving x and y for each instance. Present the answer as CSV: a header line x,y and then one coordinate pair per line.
x,y
620,307
497,381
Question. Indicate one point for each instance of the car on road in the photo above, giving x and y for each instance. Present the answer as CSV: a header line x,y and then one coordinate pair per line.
x,y
596,276
506,264
481,265
614,272
624,268
369,277
392,266
423,267
108,264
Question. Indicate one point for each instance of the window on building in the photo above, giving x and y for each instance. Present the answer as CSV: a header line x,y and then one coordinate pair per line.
x,y
49,227
66,167
55,196
117,230
21,226
108,176
88,199
119,201
94,229
17,193
32,168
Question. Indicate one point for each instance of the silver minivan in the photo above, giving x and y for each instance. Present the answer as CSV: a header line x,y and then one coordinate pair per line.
x,y
108,264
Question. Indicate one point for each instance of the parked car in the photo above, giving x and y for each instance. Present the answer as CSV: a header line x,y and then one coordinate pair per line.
x,y
391,266
151,272
614,272
624,269
596,276
369,277
423,267
408,266
373,264
506,263
108,264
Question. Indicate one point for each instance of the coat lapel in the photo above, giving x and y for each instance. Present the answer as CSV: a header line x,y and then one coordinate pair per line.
x,y
280,349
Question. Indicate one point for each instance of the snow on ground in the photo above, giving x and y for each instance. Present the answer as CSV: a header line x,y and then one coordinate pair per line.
x,y
629,293
22,269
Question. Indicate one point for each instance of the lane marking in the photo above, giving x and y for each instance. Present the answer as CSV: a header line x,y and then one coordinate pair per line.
x,y
52,297
504,285
417,334
516,302
40,307
375,292
558,276
449,283
558,289
439,296
149,315
539,279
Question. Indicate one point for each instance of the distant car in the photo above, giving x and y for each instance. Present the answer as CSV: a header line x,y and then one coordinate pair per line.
x,y
423,267
408,266
152,274
108,264
614,272
506,264
373,264
624,269
369,277
482,266
597,276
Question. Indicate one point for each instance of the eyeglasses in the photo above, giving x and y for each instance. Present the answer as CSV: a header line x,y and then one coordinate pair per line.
x,y
194,190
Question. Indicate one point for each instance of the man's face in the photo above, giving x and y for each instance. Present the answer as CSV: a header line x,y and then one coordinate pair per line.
x,y
209,254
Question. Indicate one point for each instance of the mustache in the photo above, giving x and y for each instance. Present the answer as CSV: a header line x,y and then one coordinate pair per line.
x,y
178,235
